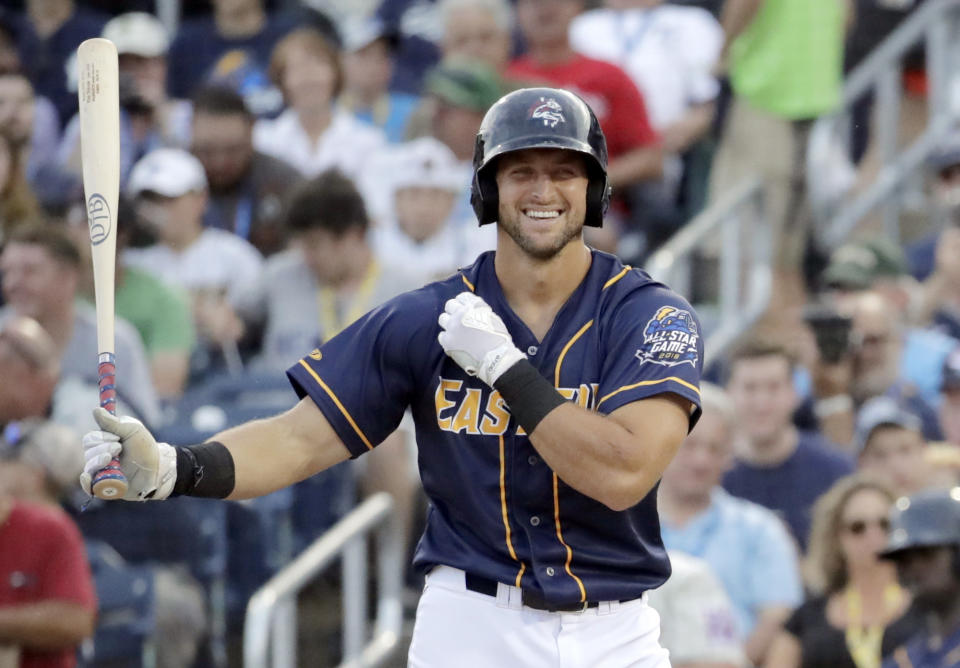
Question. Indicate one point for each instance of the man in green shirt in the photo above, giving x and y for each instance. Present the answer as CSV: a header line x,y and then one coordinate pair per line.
x,y
162,316
785,63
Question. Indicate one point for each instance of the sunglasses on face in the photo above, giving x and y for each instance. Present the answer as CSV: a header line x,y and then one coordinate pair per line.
x,y
859,527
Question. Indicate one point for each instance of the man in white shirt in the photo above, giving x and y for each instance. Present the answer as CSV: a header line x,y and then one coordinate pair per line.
x,y
169,190
670,53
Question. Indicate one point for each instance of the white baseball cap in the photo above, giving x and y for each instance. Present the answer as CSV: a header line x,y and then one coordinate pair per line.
x,y
137,33
170,172
427,163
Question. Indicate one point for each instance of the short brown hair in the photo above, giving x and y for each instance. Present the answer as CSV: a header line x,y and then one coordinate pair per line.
x,y
757,347
52,238
311,41
330,201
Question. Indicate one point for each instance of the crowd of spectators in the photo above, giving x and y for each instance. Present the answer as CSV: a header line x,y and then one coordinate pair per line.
x,y
287,166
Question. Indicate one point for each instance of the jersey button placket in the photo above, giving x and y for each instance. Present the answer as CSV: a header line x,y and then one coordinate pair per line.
x,y
550,572
535,521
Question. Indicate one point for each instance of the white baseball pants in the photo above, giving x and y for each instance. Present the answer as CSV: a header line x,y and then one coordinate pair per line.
x,y
465,629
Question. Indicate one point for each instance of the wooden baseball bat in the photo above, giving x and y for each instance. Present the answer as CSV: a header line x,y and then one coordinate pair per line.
x,y
99,98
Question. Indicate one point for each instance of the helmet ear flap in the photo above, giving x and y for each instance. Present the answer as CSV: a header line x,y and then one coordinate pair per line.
x,y
598,198
483,190
484,196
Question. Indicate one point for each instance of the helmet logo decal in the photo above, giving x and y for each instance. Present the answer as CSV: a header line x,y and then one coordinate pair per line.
x,y
549,111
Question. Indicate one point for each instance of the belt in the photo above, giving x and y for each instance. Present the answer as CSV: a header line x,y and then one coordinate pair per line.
x,y
529,598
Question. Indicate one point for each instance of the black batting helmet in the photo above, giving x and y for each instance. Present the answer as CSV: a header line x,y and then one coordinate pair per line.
x,y
539,118
930,518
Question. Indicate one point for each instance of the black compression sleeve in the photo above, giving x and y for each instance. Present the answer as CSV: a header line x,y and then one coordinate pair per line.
x,y
204,470
529,395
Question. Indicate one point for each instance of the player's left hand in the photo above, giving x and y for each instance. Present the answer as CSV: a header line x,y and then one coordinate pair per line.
x,y
476,338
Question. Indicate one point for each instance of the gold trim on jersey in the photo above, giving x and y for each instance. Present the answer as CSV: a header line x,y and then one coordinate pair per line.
x,y
468,283
556,486
623,272
556,518
563,353
339,405
503,510
679,381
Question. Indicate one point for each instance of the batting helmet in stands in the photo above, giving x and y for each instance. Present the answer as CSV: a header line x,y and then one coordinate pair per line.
x,y
930,518
539,118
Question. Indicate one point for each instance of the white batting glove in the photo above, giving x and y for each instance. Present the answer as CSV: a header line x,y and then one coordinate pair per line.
x,y
150,467
476,338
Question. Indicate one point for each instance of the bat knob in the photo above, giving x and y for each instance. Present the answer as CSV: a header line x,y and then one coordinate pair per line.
x,y
109,483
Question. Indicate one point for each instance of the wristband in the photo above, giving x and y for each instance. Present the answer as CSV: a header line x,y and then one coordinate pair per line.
x,y
204,470
529,395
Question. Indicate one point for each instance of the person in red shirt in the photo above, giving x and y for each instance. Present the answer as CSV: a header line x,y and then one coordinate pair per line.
x,y
47,603
633,145
47,600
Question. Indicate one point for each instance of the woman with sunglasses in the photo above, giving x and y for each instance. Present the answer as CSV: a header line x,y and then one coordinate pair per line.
x,y
856,612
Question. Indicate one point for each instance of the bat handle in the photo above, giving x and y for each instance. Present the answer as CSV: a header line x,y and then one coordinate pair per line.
x,y
109,482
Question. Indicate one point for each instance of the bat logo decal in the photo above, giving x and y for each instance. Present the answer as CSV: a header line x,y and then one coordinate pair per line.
x,y
98,218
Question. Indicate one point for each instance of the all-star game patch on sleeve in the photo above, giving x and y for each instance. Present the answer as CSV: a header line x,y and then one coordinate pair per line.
x,y
362,380
655,346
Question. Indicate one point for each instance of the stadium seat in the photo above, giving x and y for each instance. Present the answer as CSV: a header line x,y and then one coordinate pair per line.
x,y
125,621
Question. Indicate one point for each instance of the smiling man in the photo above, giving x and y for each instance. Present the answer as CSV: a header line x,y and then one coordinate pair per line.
x,y
544,417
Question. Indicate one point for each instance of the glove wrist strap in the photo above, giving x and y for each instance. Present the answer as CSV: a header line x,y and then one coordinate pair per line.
x,y
204,470
529,395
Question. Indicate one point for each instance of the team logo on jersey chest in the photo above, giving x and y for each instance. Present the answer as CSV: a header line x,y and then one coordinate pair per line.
x,y
670,338
549,111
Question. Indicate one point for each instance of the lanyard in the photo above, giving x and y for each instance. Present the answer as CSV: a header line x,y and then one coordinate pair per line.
x,y
243,217
865,643
629,41
331,323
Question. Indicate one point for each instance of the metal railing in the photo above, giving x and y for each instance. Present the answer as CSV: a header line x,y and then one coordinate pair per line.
x,y
270,628
734,231
936,26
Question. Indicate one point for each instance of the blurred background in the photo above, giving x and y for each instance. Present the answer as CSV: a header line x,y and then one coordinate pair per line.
x,y
792,167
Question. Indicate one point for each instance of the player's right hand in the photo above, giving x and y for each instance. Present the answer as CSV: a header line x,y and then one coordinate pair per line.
x,y
150,467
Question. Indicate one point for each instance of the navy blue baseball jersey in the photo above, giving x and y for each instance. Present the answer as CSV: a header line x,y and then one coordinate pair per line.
x,y
497,510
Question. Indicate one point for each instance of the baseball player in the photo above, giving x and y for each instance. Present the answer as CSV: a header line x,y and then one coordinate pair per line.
x,y
550,385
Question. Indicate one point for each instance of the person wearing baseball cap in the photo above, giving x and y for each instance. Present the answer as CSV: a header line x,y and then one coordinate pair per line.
x,y
924,544
461,93
169,191
149,117
861,265
420,233
890,444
